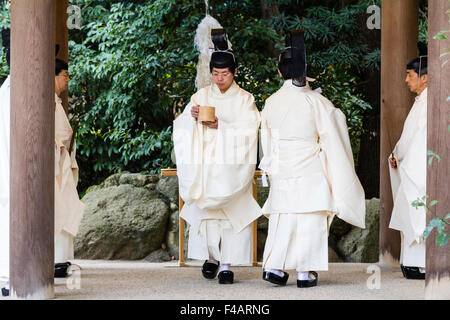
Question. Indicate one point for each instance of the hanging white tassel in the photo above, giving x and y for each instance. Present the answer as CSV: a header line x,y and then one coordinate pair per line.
x,y
205,46
264,179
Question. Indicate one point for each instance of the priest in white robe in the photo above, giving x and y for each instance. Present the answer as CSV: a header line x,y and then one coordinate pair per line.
x,y
308,157
68,207
408,175
5,110
216,161
4,181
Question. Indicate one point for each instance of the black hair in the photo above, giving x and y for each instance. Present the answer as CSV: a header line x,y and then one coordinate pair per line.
x,y
285,66
419,65
60,65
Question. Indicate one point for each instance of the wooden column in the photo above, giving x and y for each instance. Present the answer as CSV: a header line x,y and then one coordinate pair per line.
x,y
62,38
399,34
32,148
437,285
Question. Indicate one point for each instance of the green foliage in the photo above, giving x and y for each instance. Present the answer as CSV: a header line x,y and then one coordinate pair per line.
x,y
439,224
423,24
436,223
432,155
4,24
338,86
334,36
128,75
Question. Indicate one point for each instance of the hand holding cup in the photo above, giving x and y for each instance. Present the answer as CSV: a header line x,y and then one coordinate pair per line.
x,y
195,111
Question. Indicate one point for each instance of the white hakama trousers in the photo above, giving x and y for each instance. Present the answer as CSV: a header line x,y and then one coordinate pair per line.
x,y
63,247
412,255
297,241
216,239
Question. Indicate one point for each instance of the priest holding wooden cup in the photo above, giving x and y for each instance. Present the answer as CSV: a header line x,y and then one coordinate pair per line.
x,y
215,142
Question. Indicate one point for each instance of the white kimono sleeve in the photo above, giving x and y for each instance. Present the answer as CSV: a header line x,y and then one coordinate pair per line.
x,y
188,146
347,192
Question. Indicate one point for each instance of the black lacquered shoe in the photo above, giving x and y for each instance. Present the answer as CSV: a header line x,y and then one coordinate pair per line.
x,y
61,269
275,279
226,277
209,270
403,270
5,292
412,273
308,283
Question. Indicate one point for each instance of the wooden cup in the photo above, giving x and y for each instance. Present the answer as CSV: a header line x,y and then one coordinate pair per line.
x,y
207,113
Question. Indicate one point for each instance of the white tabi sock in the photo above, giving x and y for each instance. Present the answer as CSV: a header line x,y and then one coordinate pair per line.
x,y
277,272
422,270
224,267
211,260
303,276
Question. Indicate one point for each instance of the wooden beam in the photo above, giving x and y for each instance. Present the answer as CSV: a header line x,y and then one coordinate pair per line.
x,y
62,38
399,34
437,285
32,148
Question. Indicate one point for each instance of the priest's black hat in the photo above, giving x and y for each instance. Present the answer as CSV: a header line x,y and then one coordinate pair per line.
x,y
293,59
222,56
59,63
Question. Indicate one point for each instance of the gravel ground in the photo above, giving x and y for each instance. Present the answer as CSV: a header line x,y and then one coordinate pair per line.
x,y
141,280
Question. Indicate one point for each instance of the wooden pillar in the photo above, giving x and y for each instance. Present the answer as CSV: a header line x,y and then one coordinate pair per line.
x,y
62,38
399,34
32,148
437,285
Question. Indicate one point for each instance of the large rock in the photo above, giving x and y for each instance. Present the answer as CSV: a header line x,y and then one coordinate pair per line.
x,y
159,255
122,221
168,187
137,179
362,245
333,256
339,228
172,235
262,193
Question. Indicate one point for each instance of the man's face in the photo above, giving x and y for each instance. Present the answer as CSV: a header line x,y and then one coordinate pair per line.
x,y
62,80
223,78
412,80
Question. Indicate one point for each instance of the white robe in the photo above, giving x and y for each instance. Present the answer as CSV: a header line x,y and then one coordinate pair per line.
x,y
68,207
408,183
216,166
4,177
308,156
